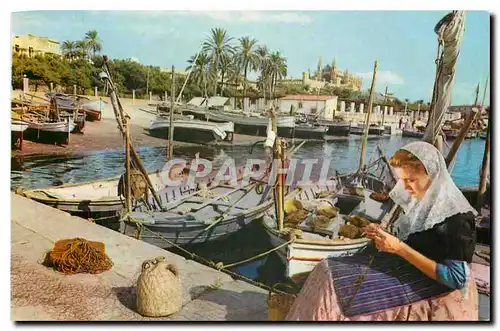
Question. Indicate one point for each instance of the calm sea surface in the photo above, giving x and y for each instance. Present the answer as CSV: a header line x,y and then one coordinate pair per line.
x,y
35,172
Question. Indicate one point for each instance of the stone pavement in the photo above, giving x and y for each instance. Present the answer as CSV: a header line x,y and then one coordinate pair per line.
x,y
39,293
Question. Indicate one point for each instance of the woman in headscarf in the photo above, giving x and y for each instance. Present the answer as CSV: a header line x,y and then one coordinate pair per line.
x,y
420,271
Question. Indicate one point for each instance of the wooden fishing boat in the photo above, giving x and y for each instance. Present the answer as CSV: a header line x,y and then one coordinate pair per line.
x,y
190,130
307,131
18,126
98,196
252,124
317,243
87,198
375,129
93,110
195,107
357,129
413,134
201,216
51,127
336,128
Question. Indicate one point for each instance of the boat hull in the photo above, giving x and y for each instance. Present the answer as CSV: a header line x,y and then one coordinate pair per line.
x,y
315,132
18,126
338,130
191,131
92,110
89,198
49,131
376,131
357,130
301,256
93,115
193,234
56,127
250,125
412,134
207,220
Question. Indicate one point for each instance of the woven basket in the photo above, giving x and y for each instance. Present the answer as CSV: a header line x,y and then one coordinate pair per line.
x,y
158,289
279,304
379,196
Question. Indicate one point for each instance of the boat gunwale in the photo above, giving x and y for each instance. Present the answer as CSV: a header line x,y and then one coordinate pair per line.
x,y
260,208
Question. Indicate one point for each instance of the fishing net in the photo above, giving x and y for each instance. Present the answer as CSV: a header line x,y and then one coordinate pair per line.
x,y
73,256
138,185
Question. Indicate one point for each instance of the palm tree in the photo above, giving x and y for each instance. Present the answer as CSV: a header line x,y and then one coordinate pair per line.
x,y
69,49
93,41
201,73
226,62
218,47
81,48
276,70
247,58
234,76
263,58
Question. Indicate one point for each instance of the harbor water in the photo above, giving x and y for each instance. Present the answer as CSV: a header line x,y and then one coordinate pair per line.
x,y
44,171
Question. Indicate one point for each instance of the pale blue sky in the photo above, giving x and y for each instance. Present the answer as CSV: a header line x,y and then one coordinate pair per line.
x,y
403,42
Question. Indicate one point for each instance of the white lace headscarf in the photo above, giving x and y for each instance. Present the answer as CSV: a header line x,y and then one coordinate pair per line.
x,y
442,199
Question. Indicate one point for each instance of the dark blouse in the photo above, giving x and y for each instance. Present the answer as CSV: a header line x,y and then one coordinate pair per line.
x,y
453,239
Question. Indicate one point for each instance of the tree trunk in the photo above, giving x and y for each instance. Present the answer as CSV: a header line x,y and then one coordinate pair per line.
x,y
245,82
222,82
264,93
216,74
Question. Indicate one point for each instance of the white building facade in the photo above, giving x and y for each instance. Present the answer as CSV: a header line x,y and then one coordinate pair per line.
x,y
321,105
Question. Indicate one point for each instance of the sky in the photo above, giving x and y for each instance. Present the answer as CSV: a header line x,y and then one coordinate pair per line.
x,y
403,42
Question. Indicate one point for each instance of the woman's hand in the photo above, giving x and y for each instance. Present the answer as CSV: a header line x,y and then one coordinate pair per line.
x,y
384,241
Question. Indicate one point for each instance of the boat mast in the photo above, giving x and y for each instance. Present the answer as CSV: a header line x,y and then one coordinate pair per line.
x,y
385,99
449,30
279,187
171,124
367,121
476,100
128,190
486,157
469,121
189,73
120,119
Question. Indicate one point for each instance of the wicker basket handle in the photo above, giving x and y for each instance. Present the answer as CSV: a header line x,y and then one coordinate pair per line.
x,y
174,269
